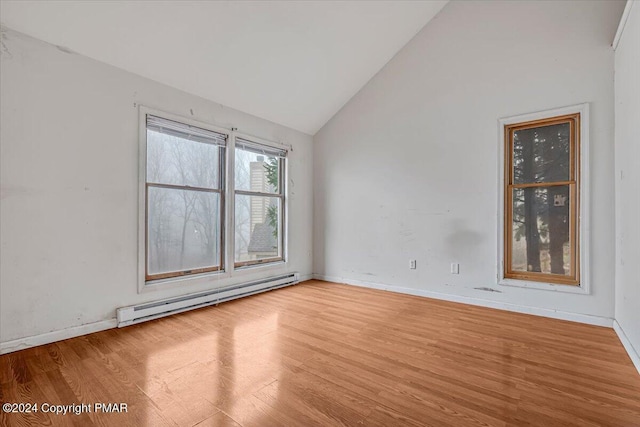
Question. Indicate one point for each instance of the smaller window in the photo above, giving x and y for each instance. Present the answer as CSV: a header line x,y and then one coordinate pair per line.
x,y
541,200
259,203
184,201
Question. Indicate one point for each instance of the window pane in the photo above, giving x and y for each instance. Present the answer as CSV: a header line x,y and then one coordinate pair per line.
x,y
257,172
541,230
179,161
183,230
258,222
541,154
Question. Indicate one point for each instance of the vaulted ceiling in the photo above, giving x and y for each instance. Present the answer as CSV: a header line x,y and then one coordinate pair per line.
x,y
292,62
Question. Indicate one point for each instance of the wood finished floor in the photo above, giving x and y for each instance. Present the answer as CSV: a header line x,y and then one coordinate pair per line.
x,y
326,354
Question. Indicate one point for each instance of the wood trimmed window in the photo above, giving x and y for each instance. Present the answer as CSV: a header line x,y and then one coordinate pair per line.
x,y
541,200
184,199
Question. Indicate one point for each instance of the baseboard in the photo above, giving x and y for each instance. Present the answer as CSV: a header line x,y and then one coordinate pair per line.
x,y
631,351
76,331
536,311
49,337
305,277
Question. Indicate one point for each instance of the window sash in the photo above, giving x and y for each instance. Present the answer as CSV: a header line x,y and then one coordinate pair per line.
x,y
574,190
185,131
510,130
281,158
201,135
257,148
279,195
281,237
184,272
509,272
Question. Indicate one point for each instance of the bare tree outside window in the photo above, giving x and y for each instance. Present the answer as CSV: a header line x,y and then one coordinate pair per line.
x,y
184,199
184,194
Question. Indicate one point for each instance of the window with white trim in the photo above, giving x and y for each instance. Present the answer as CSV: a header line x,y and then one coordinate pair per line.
x,y
189,226
259,203
184,199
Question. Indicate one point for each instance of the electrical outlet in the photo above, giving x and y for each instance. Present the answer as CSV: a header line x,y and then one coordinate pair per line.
x,y
455,268
412,264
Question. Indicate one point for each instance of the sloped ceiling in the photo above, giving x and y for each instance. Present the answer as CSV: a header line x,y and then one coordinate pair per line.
x,y
292,62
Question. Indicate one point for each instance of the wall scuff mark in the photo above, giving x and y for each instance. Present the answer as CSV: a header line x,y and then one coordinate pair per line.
x,y
4,50
65,49
484,288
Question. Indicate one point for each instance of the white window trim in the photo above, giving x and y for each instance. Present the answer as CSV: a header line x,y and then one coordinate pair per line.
x,y
229,271
231,206
584,240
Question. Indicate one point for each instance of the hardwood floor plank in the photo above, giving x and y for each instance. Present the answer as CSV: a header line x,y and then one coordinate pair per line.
x,y
58,392
249,411
306,404
220,419
382,416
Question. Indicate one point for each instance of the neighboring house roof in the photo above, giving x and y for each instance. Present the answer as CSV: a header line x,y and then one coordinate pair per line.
x,y
262,239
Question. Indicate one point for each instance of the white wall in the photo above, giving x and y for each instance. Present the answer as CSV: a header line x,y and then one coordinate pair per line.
x,y
408,168
627,107
69,213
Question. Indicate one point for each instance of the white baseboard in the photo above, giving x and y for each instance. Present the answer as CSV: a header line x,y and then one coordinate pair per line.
x,y
49,337
305,277
76,331
536,311
631,351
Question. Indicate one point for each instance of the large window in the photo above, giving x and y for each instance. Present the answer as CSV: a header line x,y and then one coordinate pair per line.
x,y
541,200
259,202
184,199
211,201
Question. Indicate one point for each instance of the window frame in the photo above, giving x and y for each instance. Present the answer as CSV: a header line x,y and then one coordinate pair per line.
x,y
220,190
578,183
282,228
205,279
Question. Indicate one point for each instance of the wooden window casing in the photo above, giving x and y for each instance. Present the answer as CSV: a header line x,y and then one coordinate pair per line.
x,y
573,183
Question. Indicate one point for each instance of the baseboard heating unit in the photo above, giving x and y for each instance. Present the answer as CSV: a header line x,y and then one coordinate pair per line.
x,y
156,309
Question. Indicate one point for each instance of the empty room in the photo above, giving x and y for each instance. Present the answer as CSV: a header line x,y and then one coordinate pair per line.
x,y
320,213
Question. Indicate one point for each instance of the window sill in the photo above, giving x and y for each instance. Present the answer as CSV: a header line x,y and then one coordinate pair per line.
x,y
205,280
183,281
276,262
570,289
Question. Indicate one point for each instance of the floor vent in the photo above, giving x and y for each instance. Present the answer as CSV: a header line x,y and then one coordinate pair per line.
x,y
153,310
